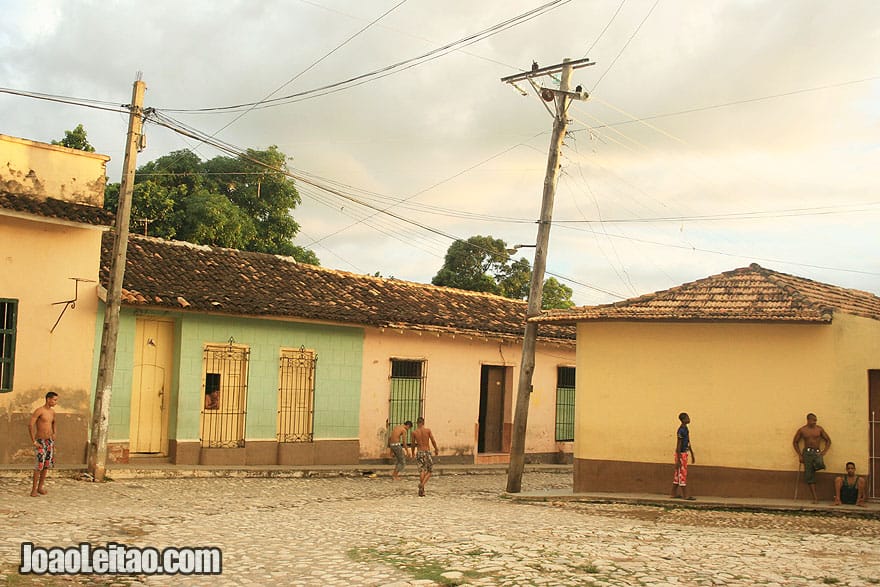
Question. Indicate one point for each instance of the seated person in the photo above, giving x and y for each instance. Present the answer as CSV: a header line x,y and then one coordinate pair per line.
x,y
850,488
212,400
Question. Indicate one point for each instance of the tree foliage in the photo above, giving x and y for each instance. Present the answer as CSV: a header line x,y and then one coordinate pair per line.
x,y
556,295
482,263
225,201
476,264
76,139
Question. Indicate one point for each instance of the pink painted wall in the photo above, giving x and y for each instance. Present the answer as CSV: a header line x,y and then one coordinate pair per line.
x,y
452,388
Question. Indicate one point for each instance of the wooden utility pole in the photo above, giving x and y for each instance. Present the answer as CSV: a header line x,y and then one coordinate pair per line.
x,y
97,458
562,98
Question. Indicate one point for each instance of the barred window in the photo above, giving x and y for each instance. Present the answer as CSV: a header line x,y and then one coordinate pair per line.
x,y
406,400
565,377
296,395
225,392
8,318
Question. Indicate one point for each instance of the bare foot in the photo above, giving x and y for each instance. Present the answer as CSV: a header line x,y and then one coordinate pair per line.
x,y
34,494
42,491
836,502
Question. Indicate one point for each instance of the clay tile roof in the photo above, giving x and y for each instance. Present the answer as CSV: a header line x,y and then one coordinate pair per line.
x,y
747,294
200,278
60,209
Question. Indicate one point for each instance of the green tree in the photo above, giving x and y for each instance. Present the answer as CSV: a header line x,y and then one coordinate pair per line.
x,y
267,196
153,208
226,201
212,218
482,263
556,295
75,139
474,264
514,282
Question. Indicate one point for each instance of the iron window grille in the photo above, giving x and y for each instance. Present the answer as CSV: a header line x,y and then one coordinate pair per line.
x,y
296,395
407,397
565,378
225,395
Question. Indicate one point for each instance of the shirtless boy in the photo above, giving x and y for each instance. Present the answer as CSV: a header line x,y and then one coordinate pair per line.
x,y
424,438
850,488
811,456
397,442
42,431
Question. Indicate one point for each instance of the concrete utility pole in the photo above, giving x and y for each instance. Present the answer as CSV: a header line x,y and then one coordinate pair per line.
x,y
562,98
97,459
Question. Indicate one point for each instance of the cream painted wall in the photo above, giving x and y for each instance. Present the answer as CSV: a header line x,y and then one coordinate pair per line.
x,y
36,261
747,388
42,170
452,395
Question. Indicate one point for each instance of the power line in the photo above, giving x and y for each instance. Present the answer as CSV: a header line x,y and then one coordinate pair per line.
x,y
297,76
613,16
756,215
167,122
632,36
84,102
735,103
726,254
387,70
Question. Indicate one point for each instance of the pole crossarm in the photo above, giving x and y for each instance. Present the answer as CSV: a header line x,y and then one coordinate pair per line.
x,y
549,70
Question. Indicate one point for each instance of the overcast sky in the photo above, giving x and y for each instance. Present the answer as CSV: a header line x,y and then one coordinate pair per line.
x,y
763,113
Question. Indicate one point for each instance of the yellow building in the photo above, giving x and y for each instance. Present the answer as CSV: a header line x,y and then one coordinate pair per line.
x,y
747,354
51,223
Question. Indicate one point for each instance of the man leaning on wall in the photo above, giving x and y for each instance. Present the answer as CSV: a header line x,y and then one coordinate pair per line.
x,y
812,455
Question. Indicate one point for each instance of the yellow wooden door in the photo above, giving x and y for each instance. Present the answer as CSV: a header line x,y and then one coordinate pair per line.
x,y
151,386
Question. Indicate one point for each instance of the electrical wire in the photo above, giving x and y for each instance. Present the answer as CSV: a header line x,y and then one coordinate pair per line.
x,y
640,119
632,36
386,70
613,16
165,121
726,254
84,102
314,64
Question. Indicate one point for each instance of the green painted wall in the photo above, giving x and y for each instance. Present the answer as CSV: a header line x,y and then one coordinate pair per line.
x,y
120,397
337,380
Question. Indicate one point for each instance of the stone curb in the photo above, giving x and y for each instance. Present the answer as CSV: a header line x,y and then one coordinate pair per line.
x,y
871,512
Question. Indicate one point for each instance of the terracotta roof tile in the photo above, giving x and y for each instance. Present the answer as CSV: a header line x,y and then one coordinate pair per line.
x,y
180,275
53,208
748,294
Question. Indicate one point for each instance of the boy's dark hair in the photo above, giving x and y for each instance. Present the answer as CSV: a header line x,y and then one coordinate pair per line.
x,y
682,416
408,423
51,394
848,463
811,415
420,420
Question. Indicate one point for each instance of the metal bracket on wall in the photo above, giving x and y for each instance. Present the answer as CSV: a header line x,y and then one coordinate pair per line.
x,y
69,303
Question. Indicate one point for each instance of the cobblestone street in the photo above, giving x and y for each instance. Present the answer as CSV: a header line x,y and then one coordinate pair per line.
x,y
372,531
